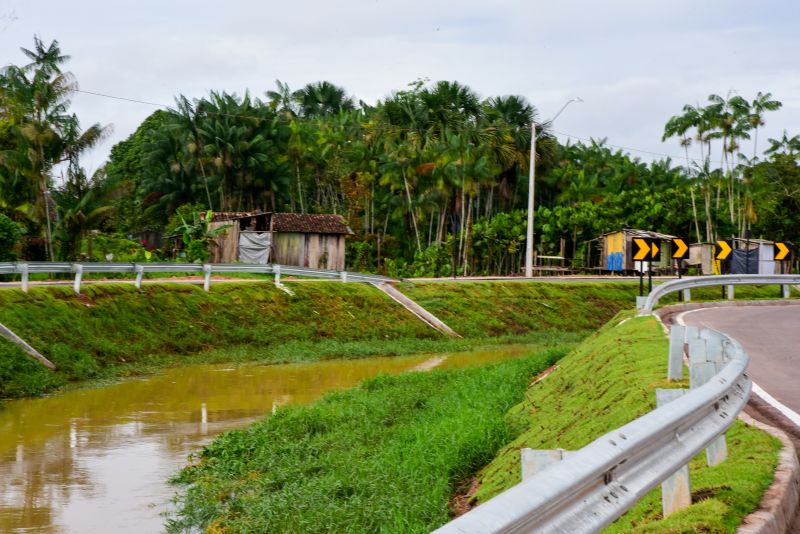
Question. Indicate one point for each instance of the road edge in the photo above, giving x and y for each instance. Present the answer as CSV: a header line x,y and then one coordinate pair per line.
x,y
778,508
777,512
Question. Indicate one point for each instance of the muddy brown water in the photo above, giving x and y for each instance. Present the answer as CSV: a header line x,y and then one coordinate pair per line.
x,y
98,460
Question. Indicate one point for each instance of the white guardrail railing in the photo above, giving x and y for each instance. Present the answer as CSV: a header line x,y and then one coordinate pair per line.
x,y
730,280
595,485
592,487
25,269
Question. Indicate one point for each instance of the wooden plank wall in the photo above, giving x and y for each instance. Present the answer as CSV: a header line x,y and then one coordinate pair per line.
x,y
226,247
315,251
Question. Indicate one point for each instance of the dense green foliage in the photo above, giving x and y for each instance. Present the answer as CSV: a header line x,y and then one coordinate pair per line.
x,y
39,133
383,457
432,178
607,382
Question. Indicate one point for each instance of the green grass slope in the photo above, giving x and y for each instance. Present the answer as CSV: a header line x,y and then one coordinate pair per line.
x,y
113,330
609,381
478,309
116,327
384,457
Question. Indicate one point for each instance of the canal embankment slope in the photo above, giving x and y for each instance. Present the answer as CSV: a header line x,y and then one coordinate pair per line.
x,y
400,454
114,330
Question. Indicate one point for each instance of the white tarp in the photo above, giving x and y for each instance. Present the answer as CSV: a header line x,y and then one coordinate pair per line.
x,y
766,263
254,247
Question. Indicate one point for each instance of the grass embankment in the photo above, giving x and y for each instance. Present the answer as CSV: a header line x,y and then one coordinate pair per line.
x,y
113,330
609,381
480,309
384,457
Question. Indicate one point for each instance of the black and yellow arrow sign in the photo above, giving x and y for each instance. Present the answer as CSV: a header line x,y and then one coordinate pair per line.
x,y
723,250
642,249
681,249
646,249
781,251
655,252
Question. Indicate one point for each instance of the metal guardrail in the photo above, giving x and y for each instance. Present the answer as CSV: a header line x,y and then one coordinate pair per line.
x,y
659,291
595,485
24,269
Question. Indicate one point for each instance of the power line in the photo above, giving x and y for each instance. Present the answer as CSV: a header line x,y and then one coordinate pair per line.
x,y
122,98
621,147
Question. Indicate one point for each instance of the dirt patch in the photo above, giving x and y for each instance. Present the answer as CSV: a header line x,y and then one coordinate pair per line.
x,y
464,500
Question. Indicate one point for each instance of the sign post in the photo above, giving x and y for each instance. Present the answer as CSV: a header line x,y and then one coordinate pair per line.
x,y
647,249
679,254
722,250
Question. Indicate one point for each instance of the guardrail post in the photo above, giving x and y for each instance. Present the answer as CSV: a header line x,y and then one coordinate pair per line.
x,y
206,277
677,340
785,291
730,292
139,269
705,357
687,295
676,491
536,460
76,286
23,269
343,276
277,270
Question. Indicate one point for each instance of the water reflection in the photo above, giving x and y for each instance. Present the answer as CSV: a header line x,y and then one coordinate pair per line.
x,y
97,460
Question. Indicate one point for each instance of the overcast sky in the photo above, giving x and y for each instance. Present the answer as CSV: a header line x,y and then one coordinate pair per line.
x,y
634,63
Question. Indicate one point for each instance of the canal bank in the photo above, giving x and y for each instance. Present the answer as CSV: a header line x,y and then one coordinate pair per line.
x,y
99,459
115,331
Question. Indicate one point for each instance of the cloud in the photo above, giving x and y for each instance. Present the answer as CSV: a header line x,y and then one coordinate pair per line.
x,y
634,63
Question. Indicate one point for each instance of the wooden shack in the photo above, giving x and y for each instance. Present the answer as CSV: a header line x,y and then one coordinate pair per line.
x,y
316,241
615,251
749,256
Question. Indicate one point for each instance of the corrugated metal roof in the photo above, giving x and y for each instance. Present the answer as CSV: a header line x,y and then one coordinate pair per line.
x,y
641,233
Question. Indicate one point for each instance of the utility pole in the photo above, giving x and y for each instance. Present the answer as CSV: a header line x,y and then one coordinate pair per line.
x,y
532,190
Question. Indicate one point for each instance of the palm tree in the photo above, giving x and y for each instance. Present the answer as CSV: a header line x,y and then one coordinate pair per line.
x,y
38,94
679,125
282,100
322,98
784,145
760,104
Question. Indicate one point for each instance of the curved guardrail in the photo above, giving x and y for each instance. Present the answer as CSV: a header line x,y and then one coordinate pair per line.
x,y
720,280
206,269
595,485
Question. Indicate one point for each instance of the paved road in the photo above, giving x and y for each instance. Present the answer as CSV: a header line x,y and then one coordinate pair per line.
x,y
771,337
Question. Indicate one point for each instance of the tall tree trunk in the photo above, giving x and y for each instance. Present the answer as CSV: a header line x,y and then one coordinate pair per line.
x,y
299,187
691,190
467,224
411,210
709,225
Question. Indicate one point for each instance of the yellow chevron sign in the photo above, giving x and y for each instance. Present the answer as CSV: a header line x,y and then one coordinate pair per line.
x,y
647,249
723,250
681,249
643,250
781,251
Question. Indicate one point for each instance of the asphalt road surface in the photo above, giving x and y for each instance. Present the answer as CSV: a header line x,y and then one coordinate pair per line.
x,y
771,337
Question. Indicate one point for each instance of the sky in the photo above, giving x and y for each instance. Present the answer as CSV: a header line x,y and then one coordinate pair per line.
x,y
634,63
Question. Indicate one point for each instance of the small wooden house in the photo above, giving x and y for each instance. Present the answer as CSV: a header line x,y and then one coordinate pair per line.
x,y
615,251
316,241
749,256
